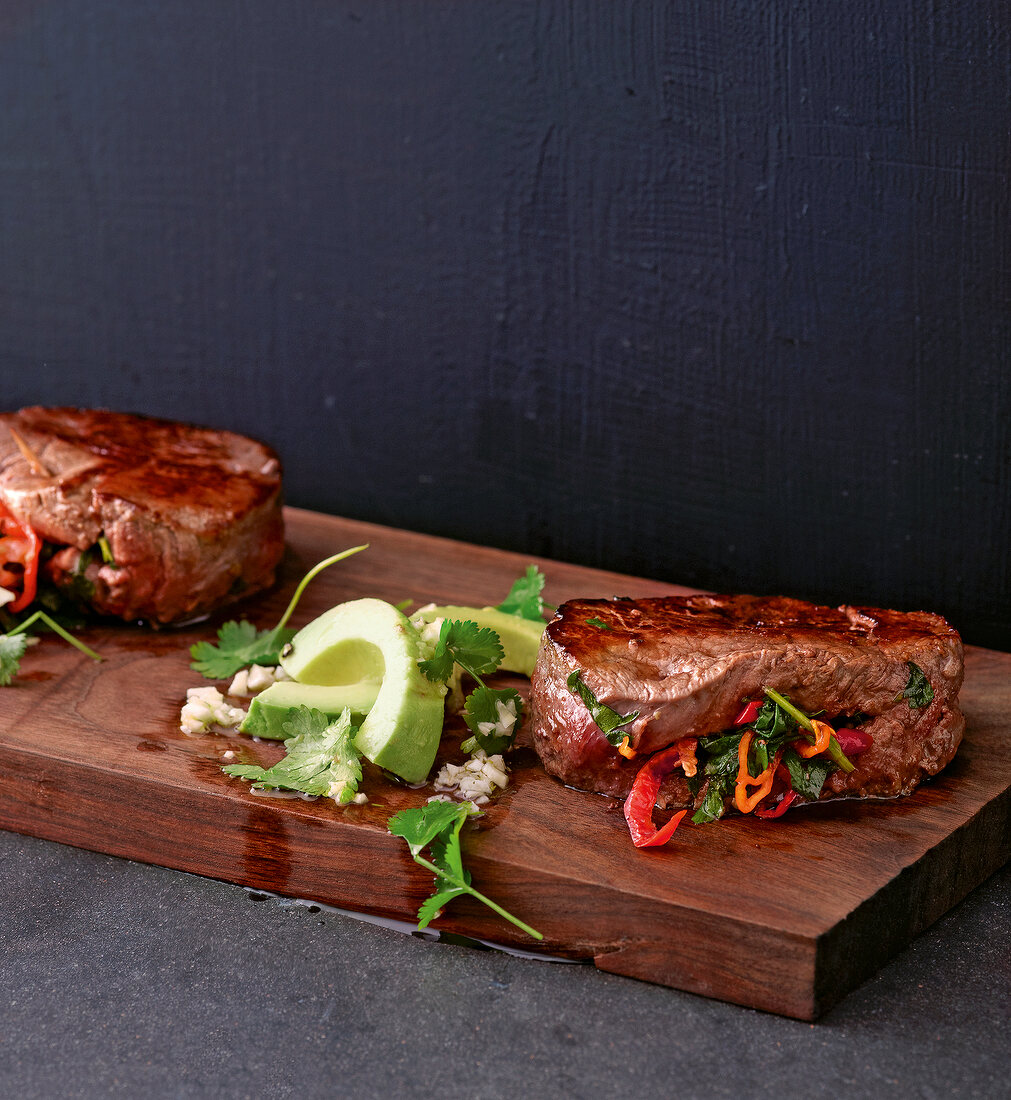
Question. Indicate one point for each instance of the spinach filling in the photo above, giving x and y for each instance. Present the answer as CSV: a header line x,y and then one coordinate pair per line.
x,y
773,729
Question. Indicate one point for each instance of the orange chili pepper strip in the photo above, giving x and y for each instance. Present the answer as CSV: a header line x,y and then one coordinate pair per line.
x,y
626,750
689,764
823,734
745,802
742,756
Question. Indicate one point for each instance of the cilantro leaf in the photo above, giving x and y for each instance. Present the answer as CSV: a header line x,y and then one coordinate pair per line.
x,y
12,649
447,855
493,716
245,771
241,644
432,907
609,721
438,825
420,827
476,649
524,598
597,622
320,758
917,692
448,858
439,667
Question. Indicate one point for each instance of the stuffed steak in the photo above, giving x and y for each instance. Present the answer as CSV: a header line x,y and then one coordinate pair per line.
x,y
136,517
618,681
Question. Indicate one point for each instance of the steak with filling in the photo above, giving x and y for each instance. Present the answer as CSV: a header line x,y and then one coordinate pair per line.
x,y
191,517
686,663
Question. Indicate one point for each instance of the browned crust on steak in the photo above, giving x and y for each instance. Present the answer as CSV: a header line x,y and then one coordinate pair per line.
x,y
192,515
685,663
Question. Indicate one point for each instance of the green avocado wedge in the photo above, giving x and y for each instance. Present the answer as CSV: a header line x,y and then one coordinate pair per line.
x,y
370,641
520,638
272,707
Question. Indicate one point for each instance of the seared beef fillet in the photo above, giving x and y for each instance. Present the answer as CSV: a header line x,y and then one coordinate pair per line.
x,y
686,663
192,516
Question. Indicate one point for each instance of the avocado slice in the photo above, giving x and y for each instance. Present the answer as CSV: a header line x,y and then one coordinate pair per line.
x,y
520,638
271,708
370,640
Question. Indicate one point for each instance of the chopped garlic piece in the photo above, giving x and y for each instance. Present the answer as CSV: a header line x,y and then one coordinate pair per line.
x,y
259,678
337,789
7,596
506,719
253,680
474,780
429,633
205,707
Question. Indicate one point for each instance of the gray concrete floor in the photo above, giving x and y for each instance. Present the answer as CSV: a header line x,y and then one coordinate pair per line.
x,y
120,979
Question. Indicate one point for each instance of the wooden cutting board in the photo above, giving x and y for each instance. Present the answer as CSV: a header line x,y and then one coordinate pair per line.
x,y
785,916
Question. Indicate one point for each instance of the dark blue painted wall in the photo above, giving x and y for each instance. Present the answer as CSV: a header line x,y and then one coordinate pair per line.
x,y
711,291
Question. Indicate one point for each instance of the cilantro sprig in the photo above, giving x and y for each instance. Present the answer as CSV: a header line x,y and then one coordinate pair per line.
x,y
437,825
320,758
14,643
12,649
524,599
241,644
492,714
476,649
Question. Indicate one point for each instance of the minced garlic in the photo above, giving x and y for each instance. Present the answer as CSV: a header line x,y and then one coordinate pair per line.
x,y
476,780
253,680
205,708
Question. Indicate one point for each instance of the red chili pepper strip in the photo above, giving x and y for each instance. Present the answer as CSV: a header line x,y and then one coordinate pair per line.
x,y
823,737
780,808
661,835
853,742
749,713
642,797
19,543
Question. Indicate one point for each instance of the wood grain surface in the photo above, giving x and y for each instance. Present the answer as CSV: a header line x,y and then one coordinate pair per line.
x,y
784,915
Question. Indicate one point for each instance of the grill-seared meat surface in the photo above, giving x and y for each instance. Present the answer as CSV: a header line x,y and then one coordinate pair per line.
x,y
192,516
686,663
